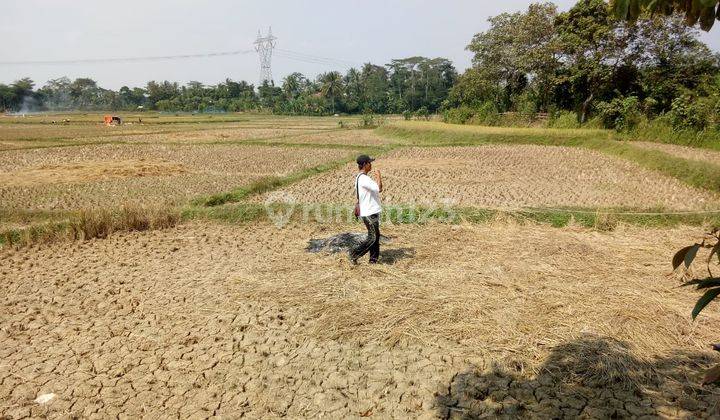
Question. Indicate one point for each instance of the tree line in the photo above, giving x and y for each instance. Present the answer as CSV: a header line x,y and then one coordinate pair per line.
x,y
582,66
412,83
585,64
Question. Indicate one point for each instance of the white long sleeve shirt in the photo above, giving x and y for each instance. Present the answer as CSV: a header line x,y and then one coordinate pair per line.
x,y
368,194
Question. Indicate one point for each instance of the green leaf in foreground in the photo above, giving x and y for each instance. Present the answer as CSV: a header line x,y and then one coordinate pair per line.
x,y
708,297
681,256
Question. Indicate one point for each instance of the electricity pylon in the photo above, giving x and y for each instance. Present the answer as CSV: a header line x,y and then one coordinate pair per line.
x,y
264,46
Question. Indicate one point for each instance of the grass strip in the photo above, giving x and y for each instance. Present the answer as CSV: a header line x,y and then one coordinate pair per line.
x,y
282,214
272,183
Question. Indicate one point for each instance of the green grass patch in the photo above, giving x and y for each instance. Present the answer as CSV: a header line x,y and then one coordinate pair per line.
x,y
598,219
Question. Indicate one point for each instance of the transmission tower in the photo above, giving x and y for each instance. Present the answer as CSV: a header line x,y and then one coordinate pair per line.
x,y
264,47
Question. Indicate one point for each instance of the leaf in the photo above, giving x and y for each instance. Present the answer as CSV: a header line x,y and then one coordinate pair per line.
x,y
707,18
621,8
679,256
690,255
708,3
704,301
703,283
714,251
712,375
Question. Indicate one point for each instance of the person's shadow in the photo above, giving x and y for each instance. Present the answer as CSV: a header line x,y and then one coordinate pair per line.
x,y
591,377
343,242
391,256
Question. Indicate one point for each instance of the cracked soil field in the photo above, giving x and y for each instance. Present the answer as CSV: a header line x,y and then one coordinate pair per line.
x,y
210,320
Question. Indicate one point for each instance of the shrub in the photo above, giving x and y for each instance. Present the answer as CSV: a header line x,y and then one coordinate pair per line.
x,y
622,114
407,115
526,107
367,120
691,113
460,115
486,114
564,119
422,113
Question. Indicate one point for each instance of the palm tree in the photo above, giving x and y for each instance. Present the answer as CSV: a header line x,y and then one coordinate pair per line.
x,y
292,85
332,86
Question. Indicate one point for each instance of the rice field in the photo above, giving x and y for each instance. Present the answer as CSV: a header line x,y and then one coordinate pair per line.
x,y
113,175
510,177
145,278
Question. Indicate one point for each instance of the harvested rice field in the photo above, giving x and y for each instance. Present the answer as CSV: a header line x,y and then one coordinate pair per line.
x,y
114,175
208,320
144,278
510,177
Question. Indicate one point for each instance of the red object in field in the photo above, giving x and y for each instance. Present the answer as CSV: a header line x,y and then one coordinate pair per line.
x,y
112,120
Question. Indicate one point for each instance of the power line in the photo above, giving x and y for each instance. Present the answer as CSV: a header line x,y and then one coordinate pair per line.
x,y
300,55
288,54
125,59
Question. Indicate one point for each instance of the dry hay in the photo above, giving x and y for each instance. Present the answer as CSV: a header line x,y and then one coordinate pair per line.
x,y
344,137
112,175
88,172
685,152
220,135
499,288
24,132
243,319
510,177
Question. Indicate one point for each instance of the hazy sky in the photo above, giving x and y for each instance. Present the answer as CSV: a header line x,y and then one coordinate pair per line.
x,y
350,30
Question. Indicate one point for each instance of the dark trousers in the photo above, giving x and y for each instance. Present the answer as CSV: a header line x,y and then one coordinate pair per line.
x,y
372,242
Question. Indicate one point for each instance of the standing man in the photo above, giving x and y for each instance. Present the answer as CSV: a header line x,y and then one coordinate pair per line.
x,y
368,203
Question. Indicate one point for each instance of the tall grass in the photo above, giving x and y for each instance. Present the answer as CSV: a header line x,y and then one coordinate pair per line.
x,y
661,131
92,224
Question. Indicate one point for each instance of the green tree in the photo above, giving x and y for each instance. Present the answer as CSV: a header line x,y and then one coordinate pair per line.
x,y
375,84
331,87
703,12
518,52
354,90
595,50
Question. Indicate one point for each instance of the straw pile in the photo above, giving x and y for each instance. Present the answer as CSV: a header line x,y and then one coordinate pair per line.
x,y
502,291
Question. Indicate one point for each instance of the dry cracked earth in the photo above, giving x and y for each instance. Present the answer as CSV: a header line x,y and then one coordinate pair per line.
x,y
157,325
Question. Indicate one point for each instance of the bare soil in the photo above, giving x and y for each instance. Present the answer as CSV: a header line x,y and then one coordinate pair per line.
x,y
486,320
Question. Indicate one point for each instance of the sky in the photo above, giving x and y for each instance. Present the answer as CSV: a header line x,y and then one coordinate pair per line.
x,y
341,33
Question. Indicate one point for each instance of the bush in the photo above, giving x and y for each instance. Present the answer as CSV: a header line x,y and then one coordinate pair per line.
x,y
460,115
594,123
407,115
422,114
369,120
486,114
526,107
689,113
564,119
622,114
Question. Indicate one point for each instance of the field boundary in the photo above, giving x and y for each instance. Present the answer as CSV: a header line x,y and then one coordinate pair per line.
x,y
78,225
601,219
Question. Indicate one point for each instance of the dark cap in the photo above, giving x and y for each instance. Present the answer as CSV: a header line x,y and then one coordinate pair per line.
x,y
363,159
